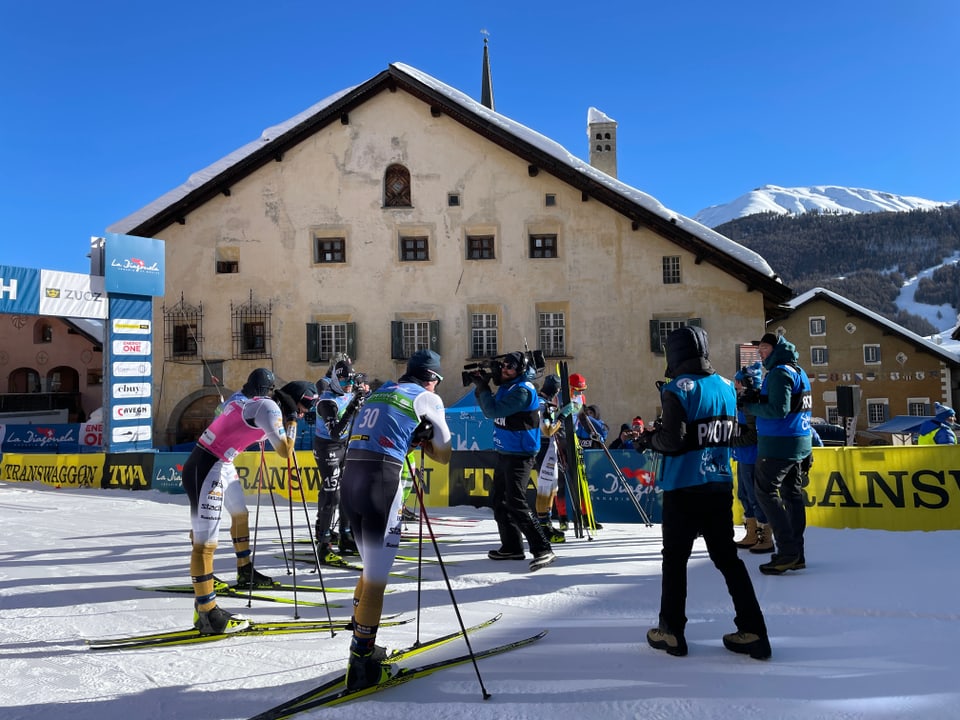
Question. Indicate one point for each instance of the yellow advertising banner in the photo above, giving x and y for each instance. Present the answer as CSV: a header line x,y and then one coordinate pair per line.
x,y
883,487
71,471
301,475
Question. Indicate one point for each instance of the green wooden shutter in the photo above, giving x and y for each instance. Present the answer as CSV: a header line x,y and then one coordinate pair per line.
x,y
435,336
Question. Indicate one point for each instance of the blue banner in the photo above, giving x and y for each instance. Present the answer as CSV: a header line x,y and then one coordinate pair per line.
x,y
19,290
133,265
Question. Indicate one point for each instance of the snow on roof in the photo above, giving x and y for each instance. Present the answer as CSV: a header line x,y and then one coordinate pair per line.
x,y
729,247
813,293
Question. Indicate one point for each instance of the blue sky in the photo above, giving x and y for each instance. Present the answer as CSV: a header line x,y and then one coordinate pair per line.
x,y
109,104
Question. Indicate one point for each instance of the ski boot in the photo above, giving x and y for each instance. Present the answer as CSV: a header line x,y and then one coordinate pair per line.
x,y
248,577
217,621
365,669
346,544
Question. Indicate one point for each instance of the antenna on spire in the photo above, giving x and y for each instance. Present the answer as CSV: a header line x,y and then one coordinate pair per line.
x,y
486,88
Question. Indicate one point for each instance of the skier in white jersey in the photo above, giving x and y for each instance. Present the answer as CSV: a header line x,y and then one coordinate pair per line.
x,y
212,485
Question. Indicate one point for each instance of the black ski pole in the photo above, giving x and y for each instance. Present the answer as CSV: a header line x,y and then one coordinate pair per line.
x,y
624,483
276,514
417,486
306,515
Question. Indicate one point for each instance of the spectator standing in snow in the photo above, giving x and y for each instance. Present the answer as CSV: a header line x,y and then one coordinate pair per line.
x,y
759,536
782,408
699,416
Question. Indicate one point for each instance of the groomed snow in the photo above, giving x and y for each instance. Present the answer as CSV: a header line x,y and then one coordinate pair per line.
x,y
869,630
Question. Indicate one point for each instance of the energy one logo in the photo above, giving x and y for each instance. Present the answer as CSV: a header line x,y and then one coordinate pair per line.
x,y
131,347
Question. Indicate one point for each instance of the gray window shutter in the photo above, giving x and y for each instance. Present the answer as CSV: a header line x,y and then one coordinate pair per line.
x,y
313,342
396,340
435,335
352,340
695,322
655,342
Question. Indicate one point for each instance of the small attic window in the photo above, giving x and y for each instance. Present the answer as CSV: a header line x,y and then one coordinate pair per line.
x,y
453,200
550,200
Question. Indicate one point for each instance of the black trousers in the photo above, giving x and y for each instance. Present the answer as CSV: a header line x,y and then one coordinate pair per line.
x,y
705,510
515,519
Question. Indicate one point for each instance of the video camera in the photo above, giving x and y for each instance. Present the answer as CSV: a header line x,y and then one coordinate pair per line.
x,y
487,370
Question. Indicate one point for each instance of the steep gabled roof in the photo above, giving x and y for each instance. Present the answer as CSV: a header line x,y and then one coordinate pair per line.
x,y
891,327
541,153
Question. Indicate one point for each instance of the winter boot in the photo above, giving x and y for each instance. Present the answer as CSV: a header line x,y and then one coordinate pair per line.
x,y
779,564
217,621
365,668
501,554
751,538
542,559
247,575
659,638
752,644
764,539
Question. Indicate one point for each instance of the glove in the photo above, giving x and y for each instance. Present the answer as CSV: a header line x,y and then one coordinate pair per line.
x,y
288,406
644,441
422,433
480,380
567,409
356,403
750,396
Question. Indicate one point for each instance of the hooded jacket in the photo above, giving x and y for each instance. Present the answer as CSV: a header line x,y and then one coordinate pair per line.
x,y
783,413
515,411
699,415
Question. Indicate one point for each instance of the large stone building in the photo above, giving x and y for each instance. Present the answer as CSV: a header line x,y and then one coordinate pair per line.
x,y
399,214
890,371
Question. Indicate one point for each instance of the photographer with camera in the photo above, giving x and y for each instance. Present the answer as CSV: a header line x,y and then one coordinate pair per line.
x,y
515,410
338,404
395,418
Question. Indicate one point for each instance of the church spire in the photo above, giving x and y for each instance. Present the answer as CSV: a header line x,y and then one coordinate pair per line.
x,y
486,91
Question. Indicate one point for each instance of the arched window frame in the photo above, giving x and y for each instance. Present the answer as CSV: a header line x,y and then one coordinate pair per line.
x,y
396,186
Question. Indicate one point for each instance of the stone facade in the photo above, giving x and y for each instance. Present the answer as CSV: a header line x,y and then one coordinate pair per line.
x,y
326,196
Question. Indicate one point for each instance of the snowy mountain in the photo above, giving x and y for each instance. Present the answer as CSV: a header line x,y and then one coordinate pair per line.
x,y
822,198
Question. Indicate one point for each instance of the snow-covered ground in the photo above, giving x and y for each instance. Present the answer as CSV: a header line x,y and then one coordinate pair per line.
x,y
869,630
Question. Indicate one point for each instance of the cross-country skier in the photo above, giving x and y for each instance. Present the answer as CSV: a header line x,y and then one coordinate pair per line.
x,y
212,485
394,418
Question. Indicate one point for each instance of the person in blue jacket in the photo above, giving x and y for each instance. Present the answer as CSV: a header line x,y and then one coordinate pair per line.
x,y
938,431
782,407
515,411
694,437
759,537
